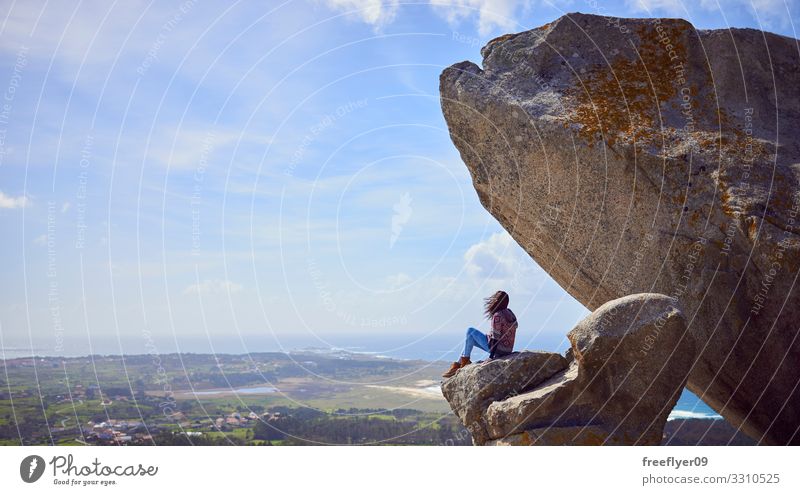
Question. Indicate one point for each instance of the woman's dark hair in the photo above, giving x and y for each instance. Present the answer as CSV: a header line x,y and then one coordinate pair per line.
x,y
495,302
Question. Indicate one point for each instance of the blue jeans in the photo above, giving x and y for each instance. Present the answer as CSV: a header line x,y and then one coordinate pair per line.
x,y
475,338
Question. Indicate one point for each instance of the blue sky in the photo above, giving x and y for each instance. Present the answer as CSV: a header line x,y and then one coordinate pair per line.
x,y
184,169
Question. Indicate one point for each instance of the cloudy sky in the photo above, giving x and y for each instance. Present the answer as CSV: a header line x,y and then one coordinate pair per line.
x,y
190,169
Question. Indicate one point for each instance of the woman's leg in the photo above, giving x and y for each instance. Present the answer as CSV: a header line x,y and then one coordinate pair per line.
x,y
475,338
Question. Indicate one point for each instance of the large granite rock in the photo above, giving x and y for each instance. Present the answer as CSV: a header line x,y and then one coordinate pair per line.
x,y
631,360
476,386
642,155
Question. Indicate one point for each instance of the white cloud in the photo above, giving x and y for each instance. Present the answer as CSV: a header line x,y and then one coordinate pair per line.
x,y
491,15
41,240
493,257
500,16
375,12
213,286
12,203
500,263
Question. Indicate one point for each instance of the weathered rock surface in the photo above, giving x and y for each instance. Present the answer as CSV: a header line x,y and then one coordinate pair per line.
x,y
642,155
556,436
632,358
476,386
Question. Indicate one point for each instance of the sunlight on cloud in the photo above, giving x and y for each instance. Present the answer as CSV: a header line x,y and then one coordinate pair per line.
x,y
11,203
375,12
502,264
494,257
491,14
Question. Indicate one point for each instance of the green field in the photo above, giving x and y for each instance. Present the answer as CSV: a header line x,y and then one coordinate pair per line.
x,y
260,399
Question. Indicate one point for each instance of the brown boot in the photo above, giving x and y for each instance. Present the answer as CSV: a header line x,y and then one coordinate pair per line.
x,y
457,366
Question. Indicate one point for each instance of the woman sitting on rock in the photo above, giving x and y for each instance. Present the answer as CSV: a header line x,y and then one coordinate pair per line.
x,y
500,340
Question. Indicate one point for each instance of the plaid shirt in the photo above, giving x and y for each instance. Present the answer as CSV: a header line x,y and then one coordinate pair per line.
x,y
504,330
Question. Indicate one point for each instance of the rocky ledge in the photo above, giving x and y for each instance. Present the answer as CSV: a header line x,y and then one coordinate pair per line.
x,y
616,387
644,155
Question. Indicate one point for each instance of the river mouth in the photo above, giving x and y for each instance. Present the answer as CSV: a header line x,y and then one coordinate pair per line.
x,y
259,390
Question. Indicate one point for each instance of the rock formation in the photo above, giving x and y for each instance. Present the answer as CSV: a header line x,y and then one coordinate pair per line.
x,y
631,360
643,155
473,389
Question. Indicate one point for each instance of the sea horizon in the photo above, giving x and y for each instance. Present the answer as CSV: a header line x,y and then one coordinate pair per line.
x,y
426,348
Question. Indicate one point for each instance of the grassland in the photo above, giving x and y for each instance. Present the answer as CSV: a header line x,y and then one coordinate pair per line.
x,y
205,399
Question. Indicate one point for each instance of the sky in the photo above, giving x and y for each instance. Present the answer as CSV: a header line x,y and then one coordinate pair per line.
x,y
255,172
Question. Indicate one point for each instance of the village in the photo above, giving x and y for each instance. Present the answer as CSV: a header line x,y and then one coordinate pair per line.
x,y
138,432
